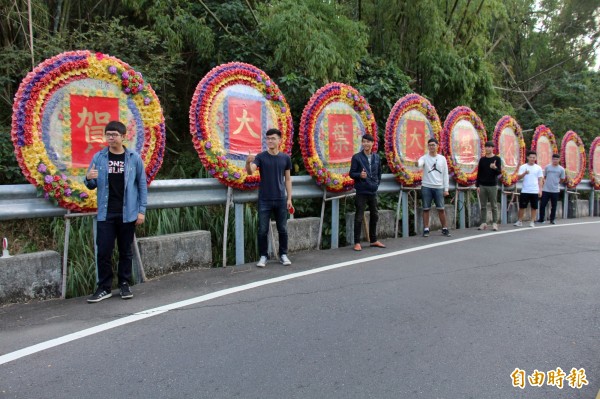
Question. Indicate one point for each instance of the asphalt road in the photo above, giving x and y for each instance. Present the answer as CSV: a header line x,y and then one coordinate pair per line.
x,y
447,320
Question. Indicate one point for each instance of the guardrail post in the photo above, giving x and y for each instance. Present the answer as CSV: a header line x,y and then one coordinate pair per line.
x,y
461,209
335,223
566,203
405,215
503,207
239,234
592,195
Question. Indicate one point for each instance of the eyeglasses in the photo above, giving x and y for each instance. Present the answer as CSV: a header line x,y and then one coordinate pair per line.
x,y
112,135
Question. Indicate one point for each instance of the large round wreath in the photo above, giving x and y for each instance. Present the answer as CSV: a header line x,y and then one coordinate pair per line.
x,y
407,173
455,116
209,120
573,181
594,175
504,123
543,131
42,117
316,160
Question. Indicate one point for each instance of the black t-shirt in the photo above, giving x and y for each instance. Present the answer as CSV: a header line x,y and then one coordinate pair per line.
x,y
486,176
116,182
272,175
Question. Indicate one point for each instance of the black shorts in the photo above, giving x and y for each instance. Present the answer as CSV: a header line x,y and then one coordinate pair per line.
x,y
527,198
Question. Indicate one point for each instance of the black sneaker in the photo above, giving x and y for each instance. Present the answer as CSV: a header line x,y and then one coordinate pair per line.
x,y
552,222
446,232
125,291
540,221
426,233
100,295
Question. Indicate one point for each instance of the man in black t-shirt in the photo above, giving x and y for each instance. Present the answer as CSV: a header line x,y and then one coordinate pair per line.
x,y
274,194
119,175
490,167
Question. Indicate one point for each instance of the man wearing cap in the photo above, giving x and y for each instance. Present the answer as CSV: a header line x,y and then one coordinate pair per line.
x,y
490,167
554,175
434,186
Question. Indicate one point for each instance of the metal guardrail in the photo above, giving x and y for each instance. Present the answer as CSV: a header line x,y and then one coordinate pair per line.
x,y
21,201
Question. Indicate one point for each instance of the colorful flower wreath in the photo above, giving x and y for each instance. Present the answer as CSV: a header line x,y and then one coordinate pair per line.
x,y
572,182
455,116
316,156
42,109
509,122
543,131
209,121
594,175
407,173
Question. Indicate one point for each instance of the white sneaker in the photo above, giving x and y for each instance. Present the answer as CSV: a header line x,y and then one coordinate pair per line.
x,y
285,260
262,262
495,227
532,224
483,226
518,223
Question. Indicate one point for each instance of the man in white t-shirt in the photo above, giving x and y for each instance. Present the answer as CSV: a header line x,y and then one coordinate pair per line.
x,y
533,180
434,186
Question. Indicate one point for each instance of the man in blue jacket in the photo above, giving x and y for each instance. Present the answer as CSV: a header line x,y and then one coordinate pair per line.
x,y
119,176
365,169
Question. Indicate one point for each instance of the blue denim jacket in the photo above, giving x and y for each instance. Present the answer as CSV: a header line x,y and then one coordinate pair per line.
x,y
136,190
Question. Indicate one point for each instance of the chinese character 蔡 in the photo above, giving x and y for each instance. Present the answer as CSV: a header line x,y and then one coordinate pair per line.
x,y
341,143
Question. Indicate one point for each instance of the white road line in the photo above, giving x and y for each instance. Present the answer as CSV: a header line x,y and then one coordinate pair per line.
x,y
9,357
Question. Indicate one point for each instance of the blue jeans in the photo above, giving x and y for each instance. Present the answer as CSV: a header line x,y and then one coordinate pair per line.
x,y
432,194
279,209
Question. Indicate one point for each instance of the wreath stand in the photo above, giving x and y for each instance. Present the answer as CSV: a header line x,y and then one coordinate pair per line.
x,y
404,196
335,217
459,211
139,271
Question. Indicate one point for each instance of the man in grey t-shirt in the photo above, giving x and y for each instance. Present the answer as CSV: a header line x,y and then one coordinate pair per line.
x,y
554,175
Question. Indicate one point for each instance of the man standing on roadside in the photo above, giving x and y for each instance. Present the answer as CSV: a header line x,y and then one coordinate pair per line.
x,y
533,177
274,194
490,167
554,174
119,175
434,186
365,169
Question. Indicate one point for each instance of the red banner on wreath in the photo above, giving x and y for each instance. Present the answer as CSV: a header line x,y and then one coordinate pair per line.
x,y
572,157
466,145
415,139
89,116
510,149
341,143
245,125
544,153
596,167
